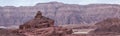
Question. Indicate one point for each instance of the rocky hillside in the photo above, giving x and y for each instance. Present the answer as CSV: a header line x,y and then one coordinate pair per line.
x,y
42,26
108,25
39,26
60,12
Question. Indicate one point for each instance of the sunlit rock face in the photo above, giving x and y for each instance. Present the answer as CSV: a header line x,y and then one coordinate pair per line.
x,y
60,12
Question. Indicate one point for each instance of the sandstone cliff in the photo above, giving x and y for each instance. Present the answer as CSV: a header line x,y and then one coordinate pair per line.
x,y
60,12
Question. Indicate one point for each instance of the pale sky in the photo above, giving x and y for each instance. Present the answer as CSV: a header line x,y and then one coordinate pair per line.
x,y
33,2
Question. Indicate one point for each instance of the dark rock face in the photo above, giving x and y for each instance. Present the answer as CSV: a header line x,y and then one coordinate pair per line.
x,y
60,12
108,25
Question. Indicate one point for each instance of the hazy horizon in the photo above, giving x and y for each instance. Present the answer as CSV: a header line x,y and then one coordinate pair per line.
x,y
33,2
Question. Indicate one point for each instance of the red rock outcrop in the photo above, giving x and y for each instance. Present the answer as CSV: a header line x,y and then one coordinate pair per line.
x,y
108,25
38,22
50,31
42,26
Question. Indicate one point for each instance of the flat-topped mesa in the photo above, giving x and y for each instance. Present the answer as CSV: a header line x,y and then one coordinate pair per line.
x,y
39,21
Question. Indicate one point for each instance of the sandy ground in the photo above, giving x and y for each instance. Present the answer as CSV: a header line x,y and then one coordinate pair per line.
x,y
10,27
82,31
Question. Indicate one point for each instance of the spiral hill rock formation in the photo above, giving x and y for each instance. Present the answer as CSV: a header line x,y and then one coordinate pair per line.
x,y
38,22
42,26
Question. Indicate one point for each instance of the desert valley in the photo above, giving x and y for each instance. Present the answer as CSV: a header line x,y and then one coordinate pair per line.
x,y
59,19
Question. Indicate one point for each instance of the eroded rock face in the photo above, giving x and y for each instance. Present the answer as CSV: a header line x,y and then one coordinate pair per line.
x,y
108,25
42,26
38,22
50,31
60,12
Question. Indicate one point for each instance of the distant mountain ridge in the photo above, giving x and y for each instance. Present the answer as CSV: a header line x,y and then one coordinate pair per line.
x,y
60,12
